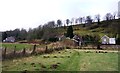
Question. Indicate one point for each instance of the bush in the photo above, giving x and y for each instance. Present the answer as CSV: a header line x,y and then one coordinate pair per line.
x,y
91,39
68,47
53,39
118,41
93,27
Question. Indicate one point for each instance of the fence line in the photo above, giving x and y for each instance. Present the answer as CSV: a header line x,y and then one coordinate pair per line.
x,y
25,53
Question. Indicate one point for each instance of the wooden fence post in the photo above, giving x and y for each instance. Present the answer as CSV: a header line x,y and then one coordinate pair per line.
x,y
4,53
98,47
14,51
34,48
24,51
46,49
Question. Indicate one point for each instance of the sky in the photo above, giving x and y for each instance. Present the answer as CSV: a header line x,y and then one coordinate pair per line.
x,y
32,13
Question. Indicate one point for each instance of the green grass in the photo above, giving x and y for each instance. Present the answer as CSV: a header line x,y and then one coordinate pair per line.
x,y
78,29
18,46
66,60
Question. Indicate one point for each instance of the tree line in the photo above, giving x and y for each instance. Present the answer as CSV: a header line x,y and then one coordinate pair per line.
x,y
49,30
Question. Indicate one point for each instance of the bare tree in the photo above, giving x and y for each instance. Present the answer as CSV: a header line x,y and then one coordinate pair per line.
x,y
72,21
97,17
80,19
109,16
49,32
67,21
51,24
114,15
83,19
76,20
59,22
89,19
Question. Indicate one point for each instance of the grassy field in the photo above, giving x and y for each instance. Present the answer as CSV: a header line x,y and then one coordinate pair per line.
x,y
66,60
18,46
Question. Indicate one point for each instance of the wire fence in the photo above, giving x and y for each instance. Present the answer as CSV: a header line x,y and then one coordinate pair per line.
x,y
11,54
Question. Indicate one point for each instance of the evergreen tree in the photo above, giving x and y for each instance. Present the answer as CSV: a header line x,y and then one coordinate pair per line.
x,y
4,35
67,21
70,32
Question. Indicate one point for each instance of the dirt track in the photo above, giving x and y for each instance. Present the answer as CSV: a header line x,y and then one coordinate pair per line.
x,y
98,50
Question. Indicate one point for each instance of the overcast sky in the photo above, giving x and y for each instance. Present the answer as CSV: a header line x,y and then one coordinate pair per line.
x,y
32,13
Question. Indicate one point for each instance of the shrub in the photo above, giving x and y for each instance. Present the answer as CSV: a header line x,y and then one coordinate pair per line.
x,y
53,39
32,63
55,57
43,66
93,27
91,39
54,66
68,47
118,41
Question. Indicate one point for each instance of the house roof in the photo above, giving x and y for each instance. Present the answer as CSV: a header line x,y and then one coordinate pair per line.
x,y
105,36
77,37
10,38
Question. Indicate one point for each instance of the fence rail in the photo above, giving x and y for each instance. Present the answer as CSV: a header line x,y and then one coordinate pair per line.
x,y
6,54
25,52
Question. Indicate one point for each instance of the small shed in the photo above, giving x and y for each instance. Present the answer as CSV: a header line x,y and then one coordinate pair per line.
x,y
78,40
9,39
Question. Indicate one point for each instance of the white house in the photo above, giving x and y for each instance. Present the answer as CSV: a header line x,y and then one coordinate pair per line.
x,y
9,39
107,40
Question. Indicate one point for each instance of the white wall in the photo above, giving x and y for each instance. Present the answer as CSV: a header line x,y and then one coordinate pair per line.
x,y
112,41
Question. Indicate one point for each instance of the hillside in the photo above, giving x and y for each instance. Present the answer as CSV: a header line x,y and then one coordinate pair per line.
x,y
105,28
50,32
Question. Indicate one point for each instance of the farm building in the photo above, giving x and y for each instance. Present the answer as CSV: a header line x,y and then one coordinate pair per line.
x,y
9,39
112,41
78,40
107,40
62,37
